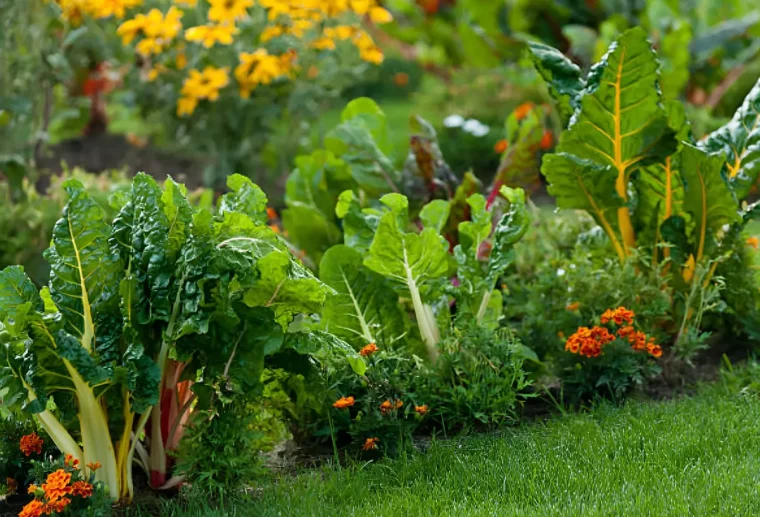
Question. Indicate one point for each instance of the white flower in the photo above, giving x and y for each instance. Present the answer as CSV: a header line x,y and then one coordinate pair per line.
x,y
561,272
453,121
476,128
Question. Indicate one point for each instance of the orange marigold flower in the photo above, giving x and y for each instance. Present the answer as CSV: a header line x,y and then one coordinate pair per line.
x,y
654,350
546,140
421,410
33,509
619,316
12,485
94,466
626,331
70,461
344,402
398,404
589,341
370,444
57,485
271,213
81,489
368,350
572,307
57,506
386,407
501,146
31,443
522,110
401,79
753,242
32,489
275,228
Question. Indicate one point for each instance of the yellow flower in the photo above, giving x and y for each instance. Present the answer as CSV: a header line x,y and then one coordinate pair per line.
x,y
372,55
209,35
130,28
361,7
186,3
186,106
380,15
228,10
108,8
271,32
260,67
206,84
149,46
324,43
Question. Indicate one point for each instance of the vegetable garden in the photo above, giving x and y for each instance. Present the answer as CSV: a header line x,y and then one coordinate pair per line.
x,y
242,236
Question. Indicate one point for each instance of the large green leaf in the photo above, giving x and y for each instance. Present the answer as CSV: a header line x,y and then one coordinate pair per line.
x,y
619,127
84,273
246,197
364,310
359,224
739,141
317,181
708,199
660,187
562,76
287,287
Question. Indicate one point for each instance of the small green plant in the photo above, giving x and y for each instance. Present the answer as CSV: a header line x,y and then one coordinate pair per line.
x,y
479,379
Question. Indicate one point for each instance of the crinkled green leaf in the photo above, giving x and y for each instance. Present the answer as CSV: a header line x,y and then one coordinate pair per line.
x,y
326,348
287,287
364,310
474,232
739,141
179,214
84,273
561,75
246,197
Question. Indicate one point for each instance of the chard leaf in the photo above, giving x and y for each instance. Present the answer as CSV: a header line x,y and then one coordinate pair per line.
x,y
362,142
435,214
619,127
509,230
84,273
246,197
660,186
326,349
474,232
179,215
739,141
287,287
407,258
364,310
309,230
562,76
316,182
359,224
708,199
413,262
674,51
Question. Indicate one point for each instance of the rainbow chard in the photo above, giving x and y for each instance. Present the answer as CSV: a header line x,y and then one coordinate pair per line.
x,y
618,126
68,345
166,310
415,263
484,253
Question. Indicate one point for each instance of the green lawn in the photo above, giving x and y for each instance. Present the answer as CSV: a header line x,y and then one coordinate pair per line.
x,y
695,456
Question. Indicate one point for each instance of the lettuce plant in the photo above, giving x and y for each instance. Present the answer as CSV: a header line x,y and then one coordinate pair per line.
x,y
165,309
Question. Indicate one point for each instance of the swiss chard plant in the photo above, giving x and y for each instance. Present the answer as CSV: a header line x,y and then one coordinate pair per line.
x,y
389,256
628,159
165,310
